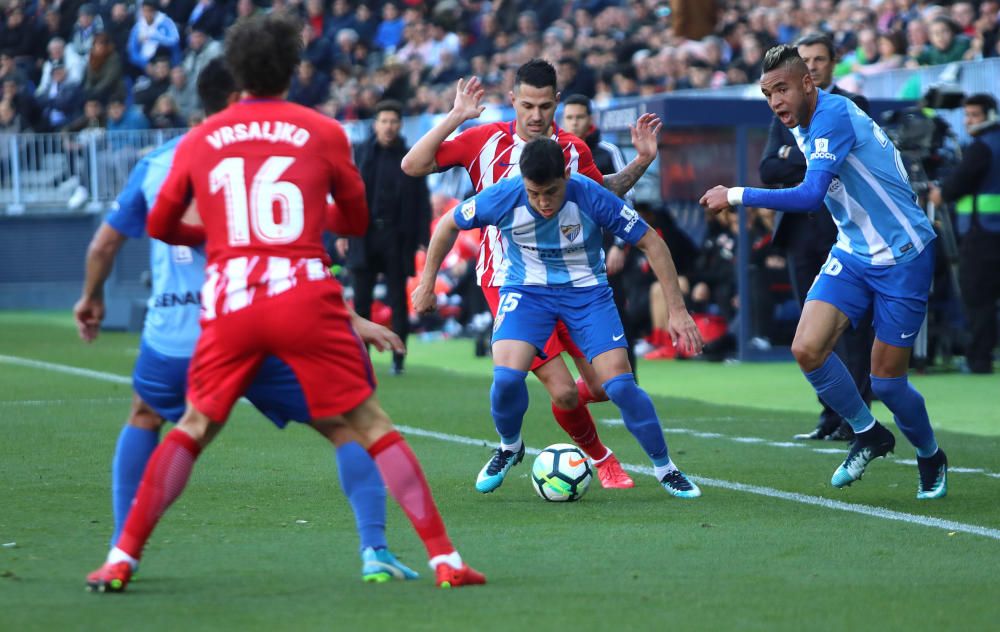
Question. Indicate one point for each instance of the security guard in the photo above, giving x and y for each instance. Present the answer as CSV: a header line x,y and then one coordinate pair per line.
x,y
974,187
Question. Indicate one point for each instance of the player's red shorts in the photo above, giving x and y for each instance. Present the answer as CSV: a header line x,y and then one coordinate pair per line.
x,y
308,327
558,342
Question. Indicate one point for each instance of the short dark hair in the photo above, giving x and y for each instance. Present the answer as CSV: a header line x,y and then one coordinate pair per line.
x,y
781,55
215,84
812,39
578,99
542,161
984,101
263,51
389,105
537,73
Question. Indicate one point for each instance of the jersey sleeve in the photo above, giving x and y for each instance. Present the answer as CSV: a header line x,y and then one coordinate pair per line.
x,y
164,221
128,213
831,138
347,187
586,166
456,152
614,214
485,208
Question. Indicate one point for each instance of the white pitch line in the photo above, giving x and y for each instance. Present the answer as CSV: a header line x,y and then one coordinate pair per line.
x,y
62,402
795,445
816,501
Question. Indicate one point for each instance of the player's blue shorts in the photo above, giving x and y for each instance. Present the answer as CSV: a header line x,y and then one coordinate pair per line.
x,y
898,293
161,382
529,313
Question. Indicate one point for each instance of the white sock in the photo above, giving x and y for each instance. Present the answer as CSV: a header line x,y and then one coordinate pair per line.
x,y
659,471
452,559
117,555
603,458
867,428
513,447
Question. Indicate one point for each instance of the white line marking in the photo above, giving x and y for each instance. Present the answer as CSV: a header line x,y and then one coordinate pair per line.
x,y
796,444
63,402
816,501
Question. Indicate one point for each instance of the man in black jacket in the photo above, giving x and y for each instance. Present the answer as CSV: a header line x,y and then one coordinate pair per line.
x,y
399,224
806,238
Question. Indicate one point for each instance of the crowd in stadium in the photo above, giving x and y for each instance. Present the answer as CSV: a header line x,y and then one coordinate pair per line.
x,y
71,65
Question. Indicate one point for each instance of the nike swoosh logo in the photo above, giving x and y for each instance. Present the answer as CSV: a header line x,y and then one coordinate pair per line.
x,y
524,232
618,337
577,462
909,335
507,164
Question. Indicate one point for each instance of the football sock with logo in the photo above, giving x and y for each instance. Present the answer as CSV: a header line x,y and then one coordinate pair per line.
x,y
639,415
508,403
363,486
403,476
910,412
166,476
135,446
834,385
579,425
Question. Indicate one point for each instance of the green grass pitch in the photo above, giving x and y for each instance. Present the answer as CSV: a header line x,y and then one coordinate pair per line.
x,y
264,540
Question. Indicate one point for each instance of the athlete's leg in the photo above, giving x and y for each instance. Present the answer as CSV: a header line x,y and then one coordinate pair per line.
x,y
136,443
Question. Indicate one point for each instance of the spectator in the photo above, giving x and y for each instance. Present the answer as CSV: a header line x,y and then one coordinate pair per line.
x,y
184,93
21,102
88,24
201,50
177,10
165,114
573,79
365,23
947,43
152,32
308,88
149,88
92,117
10,120
104,74
316,49
208,16
15,37
62,101
119,26
342,17
400,212
125,118
59,53
245,9
389,33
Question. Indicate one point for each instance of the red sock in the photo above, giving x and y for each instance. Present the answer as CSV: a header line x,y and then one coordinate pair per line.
x,y
405,480
586,397
660,337
579,425
165,478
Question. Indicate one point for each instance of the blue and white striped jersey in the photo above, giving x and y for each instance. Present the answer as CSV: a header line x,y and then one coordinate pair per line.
x,y
178,272
564,250
870,196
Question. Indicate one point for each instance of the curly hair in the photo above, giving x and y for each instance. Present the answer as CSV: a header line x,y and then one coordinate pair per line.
x,y
263,52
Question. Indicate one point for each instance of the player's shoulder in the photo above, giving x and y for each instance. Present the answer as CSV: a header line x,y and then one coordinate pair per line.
x,y
164,152
480,133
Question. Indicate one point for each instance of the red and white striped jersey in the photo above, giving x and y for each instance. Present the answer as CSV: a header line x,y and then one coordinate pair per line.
x,y
260,172
490,153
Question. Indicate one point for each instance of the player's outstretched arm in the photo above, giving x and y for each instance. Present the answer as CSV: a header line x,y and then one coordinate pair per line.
x,y
805,198
419,161
681,326
89,310
645,133
442,241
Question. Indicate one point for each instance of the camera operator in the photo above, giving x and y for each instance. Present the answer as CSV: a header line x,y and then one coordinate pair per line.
x,y
806,238
974,187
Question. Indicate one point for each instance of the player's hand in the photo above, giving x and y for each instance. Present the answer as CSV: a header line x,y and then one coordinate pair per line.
x,y
467,98
341,245
423,299
382,338
716,199
88,314
645,135
614,261
684,332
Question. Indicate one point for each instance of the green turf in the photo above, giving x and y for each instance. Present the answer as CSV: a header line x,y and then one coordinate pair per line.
x,y
234,552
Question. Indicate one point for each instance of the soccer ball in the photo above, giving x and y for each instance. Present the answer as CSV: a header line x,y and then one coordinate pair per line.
x,y
561,472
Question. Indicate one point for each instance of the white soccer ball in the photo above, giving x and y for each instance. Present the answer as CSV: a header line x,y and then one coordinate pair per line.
x,y
561,472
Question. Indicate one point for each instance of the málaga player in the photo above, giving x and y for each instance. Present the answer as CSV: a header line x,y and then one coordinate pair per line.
x,y
490,153
551,226
260,173
883,260
170,332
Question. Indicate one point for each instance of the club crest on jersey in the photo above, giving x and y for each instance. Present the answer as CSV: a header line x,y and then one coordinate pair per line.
x,y
469,210
822,152
570,231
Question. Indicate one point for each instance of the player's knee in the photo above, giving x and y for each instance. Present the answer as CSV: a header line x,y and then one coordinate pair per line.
x,y
143,416
891,389
564,396
507,383
808,355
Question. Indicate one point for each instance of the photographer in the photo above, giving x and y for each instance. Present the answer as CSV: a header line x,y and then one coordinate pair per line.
x,y
974,187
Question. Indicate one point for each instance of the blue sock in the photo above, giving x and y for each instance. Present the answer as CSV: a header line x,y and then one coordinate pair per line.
x,y
508,402
639,415
363,486
834,385
135,446
909,411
